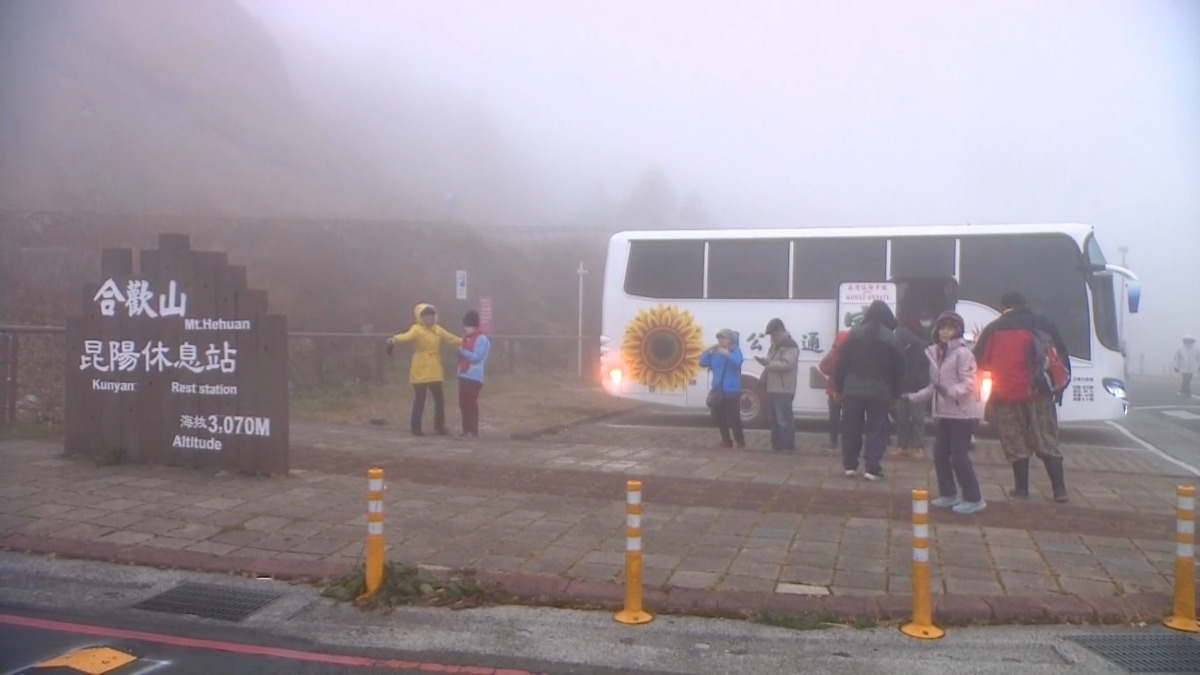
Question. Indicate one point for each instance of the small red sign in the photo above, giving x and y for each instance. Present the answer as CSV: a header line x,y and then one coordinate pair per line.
x,y
485,314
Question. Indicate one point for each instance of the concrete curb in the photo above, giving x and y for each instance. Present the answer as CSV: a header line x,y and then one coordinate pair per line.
x,y
557,591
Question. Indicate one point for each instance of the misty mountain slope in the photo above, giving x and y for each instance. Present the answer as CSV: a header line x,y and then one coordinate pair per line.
x,y
161,106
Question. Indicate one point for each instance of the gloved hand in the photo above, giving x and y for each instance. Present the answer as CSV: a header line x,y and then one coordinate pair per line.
x,y
761,361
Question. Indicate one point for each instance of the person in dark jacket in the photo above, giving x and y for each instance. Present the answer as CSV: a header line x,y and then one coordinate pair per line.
x,y
1023,410
724,359
910,413
868,376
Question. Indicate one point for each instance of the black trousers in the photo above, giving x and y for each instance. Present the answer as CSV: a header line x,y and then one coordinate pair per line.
x,y
418,408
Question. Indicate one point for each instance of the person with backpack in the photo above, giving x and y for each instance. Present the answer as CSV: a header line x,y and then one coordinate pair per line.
x,y
953,388
1019,349
1186,363
867,380
780,374
827,367
910,413
724,360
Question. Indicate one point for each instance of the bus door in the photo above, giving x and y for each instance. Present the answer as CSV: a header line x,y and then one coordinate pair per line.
x,y
921,299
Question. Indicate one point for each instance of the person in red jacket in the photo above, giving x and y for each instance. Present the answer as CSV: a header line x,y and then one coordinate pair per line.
x,y
1024,410
827,366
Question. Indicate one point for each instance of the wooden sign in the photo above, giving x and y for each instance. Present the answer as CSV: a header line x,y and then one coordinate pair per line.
x,y
176,362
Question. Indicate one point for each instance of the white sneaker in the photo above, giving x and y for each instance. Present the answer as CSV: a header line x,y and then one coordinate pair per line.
x,y
850,473
945,502
970,507
872,476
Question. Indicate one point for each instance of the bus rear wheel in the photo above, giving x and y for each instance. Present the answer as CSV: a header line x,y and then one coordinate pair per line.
x,y
753,403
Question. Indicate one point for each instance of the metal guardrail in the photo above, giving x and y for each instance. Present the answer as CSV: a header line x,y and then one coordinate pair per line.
x,y
505,353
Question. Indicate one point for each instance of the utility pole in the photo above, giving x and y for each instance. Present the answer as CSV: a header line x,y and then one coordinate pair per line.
x,y
579,336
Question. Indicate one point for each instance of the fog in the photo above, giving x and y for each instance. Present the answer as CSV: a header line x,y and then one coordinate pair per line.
x,y
604,115
824,112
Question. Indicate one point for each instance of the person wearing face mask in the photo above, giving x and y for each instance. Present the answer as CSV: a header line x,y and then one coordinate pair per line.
x,y
425,373
957,408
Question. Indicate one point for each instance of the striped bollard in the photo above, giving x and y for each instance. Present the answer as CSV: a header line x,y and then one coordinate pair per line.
x,y
374,569
921,626
633,613
1183,616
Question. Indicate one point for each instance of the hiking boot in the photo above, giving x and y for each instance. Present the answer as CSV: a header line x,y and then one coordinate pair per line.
x,y
1054,470
945,502
965,508
1021,479
917,453
896,452
726,444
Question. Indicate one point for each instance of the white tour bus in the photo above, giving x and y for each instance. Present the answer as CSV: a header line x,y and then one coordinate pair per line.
x,y
667,293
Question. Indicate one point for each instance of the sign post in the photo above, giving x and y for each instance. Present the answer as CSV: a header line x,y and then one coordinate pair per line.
x,y
460,285
176,362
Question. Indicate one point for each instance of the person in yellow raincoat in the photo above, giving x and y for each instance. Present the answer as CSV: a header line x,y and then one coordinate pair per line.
x,y
425,374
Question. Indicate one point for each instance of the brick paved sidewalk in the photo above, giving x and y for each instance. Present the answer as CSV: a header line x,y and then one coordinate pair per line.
x,y
723,530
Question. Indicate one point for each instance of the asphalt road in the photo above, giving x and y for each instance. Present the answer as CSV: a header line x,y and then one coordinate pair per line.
x,y
53,606
178,645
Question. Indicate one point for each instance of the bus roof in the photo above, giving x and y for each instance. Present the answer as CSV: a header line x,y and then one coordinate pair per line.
x,y
1076,231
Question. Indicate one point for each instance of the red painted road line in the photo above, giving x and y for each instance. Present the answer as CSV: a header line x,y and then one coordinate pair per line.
x,y
248,649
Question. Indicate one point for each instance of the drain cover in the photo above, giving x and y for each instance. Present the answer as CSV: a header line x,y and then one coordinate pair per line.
x,y
210,601
1149,653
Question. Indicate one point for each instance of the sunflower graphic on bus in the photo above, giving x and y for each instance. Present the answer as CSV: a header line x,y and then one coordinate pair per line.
x,y
662,348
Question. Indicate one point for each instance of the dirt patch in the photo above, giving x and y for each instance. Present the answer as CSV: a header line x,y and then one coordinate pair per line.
x,y
509,405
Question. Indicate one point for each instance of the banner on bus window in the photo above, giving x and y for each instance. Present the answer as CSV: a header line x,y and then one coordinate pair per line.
x,y
854,297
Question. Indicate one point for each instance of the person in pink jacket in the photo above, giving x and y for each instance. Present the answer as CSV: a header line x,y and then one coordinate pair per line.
x,y
957,408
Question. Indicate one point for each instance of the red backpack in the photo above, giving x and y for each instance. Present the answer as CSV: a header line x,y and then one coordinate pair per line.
x,y
1048,373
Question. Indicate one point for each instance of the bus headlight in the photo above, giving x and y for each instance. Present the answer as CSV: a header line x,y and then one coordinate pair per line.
x,y
985,386
1115,387
615,376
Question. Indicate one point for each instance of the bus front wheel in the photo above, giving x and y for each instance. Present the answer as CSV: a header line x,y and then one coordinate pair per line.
x,y
753,403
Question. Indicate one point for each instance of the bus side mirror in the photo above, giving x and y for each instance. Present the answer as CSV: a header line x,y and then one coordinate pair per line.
x,y
1133,294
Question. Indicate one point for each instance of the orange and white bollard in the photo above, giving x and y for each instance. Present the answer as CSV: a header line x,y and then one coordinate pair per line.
x,y
921,626
633,613
374,565
1183,616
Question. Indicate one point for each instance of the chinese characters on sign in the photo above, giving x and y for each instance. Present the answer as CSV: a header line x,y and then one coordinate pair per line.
x,y
855,296
809,342
120,355
138,299
177,362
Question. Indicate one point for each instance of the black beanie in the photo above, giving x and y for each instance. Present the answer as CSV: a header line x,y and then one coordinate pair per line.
x,y
471,319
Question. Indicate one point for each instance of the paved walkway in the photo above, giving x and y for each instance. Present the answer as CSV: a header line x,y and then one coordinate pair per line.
x,y
723,530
